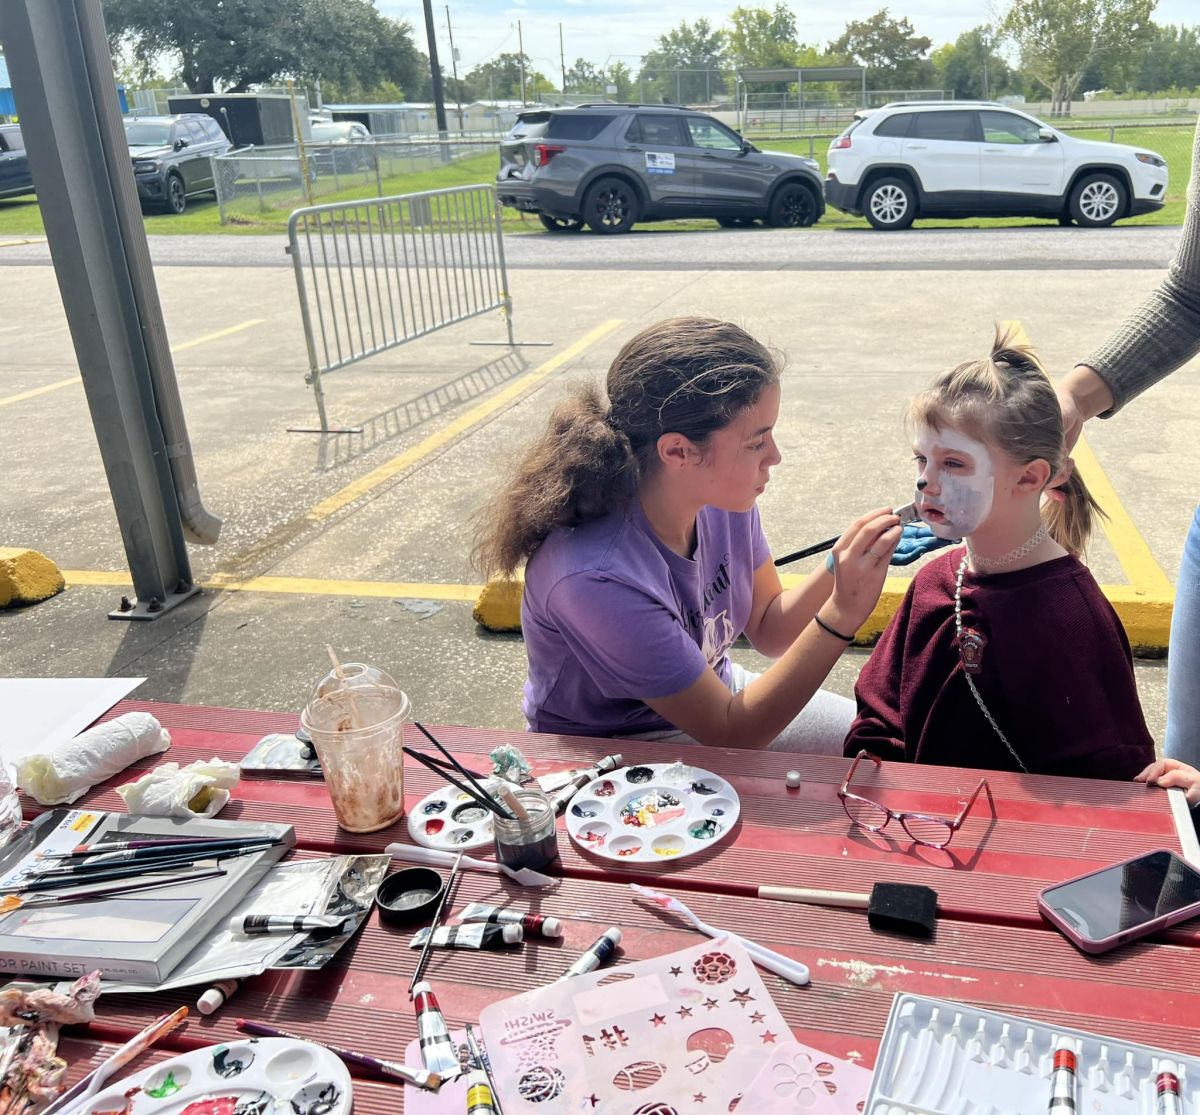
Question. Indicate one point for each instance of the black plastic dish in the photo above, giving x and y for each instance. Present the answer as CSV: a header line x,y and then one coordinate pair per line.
x,y
409,895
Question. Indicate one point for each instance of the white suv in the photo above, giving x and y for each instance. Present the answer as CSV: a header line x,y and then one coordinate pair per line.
x,y
960,159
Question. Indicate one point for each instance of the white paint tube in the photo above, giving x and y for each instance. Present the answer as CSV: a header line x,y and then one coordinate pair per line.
x,y
532,923
475,935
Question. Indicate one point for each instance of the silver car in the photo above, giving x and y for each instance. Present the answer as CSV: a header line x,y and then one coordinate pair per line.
x,y
611,166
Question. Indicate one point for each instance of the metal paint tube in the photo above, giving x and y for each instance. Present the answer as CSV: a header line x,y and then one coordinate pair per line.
x,y
475,935
604,947
1062,1079
479,1094
255,925
1167,1100
437,1049
609,762
532,923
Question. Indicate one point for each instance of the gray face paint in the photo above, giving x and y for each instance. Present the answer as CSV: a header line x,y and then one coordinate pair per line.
x,y
965,501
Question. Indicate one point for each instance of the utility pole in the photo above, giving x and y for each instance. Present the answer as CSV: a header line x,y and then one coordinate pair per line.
x,y
521,49
439,97
454,67
562,60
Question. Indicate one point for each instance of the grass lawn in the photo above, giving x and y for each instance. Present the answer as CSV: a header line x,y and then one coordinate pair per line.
x,y
20,217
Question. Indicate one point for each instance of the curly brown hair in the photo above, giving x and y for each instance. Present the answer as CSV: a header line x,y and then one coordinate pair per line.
x,y
687,375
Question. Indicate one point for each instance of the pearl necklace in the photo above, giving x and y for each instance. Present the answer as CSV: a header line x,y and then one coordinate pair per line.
x,y
958,631
1023,550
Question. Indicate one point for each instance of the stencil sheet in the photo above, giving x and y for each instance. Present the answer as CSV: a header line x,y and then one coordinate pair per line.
x,y
680,1033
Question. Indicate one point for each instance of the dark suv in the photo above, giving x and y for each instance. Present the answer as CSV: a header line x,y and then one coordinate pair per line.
x,y
172,157
15,176
609,166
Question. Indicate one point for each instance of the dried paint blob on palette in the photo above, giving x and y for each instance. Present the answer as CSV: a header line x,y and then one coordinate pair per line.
x,y
257,1076
450,819
653,812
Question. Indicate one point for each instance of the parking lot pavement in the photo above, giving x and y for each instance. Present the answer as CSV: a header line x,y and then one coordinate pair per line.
x,y
385,575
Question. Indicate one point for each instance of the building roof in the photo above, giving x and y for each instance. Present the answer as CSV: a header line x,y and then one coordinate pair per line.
x,y
5,80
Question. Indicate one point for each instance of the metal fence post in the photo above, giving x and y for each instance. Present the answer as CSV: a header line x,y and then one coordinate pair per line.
x,y
506,308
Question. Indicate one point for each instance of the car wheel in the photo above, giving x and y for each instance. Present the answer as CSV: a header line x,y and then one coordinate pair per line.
x,y
611,206
890,204
793,206
560,224
735,222
176,197
1097,200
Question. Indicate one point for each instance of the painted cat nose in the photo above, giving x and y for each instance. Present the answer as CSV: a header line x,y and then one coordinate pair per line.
x,y
922,485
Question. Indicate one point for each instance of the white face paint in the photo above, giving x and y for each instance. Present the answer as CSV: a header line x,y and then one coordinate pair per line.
x,y
959,480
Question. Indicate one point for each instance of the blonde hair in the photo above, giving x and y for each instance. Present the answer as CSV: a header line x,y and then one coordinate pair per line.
x,y
1007,400
687,375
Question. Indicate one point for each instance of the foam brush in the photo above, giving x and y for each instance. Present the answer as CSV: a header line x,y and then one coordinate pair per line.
x,y
791,970
435,857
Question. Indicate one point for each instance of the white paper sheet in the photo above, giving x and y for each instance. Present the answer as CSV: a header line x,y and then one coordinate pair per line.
x,y
41,712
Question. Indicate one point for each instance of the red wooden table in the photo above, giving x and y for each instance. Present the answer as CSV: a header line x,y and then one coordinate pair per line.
x,y
991,948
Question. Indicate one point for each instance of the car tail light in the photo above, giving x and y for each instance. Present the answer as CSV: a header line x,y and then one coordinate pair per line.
x,y
544,152
840,144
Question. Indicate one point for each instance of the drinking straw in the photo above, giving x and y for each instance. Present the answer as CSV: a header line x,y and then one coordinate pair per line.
x,y
356,720
484,798
437,917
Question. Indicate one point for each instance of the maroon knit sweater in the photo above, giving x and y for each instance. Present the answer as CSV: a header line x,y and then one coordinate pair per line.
x,y
1056,673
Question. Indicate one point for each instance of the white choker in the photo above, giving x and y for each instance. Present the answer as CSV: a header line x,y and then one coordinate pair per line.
x,y
1024,550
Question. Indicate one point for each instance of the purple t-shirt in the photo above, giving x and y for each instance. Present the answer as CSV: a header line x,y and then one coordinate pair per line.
x,y
612,616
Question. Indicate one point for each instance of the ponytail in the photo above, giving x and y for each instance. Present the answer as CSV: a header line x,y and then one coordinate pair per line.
x,y
578,470
1070,513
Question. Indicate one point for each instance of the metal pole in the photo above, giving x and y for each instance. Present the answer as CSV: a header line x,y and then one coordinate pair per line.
x,y
562,59
521,57
439,98
454,68
62,77
506,297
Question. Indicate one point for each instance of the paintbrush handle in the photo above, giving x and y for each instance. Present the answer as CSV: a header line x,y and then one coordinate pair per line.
x,y
843,899
808,551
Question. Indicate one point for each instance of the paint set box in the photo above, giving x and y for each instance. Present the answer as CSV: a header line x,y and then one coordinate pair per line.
x,y
940,1057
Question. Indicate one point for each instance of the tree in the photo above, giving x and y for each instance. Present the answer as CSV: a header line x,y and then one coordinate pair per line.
x,y
686,66
499,79
761,39
621,76
890,49
1060,40
1171,60
970,67
232,45
583,77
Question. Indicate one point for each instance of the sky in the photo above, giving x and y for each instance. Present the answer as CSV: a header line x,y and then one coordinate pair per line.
x,y
605,31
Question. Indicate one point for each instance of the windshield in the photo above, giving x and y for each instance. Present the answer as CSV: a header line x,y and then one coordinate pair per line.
x,y
147,133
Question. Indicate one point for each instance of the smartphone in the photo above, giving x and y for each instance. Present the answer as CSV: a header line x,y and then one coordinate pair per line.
x,y
1116,904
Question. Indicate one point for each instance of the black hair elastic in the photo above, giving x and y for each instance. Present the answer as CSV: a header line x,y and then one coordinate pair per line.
x,y
831,631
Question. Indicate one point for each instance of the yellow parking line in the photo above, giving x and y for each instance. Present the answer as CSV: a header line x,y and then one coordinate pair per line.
x,y
295,586
39,391
364,484
217,335
177,348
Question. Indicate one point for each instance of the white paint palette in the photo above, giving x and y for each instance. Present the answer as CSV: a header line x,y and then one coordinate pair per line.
x,y
451,820
257,1076
652,812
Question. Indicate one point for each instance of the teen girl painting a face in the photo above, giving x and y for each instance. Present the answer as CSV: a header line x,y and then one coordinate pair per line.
x,y
637,517
1005,654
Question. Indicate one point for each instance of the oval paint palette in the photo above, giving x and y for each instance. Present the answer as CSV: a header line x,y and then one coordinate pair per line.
x,y
254,1076
452,820
653,812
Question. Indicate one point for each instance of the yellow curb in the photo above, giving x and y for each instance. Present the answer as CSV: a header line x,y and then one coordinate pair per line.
x,y
27,577
499,605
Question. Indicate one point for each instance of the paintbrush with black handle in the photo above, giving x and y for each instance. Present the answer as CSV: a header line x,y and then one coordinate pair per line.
x,y
907,514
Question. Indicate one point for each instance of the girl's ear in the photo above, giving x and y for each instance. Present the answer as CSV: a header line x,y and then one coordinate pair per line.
x,y
1033,477
675,450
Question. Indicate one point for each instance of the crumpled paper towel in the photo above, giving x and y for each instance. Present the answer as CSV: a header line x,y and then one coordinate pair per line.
x,y
67,771
198,790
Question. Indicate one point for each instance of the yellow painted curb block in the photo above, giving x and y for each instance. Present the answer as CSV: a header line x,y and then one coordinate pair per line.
x,y
27,577
499,605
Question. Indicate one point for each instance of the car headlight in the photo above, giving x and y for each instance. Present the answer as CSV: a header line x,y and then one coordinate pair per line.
x,y
1149,158
146,166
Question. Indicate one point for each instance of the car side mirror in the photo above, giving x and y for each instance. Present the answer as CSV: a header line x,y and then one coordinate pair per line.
x,y
1046,135
748,147
179,144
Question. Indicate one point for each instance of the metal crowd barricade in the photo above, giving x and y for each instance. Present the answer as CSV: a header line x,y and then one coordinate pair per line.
x,y
374,274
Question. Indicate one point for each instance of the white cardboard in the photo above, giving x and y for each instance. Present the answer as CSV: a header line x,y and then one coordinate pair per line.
x,y
42,712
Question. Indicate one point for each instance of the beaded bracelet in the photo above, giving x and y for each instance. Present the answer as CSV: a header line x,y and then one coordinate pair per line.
x,y
831,631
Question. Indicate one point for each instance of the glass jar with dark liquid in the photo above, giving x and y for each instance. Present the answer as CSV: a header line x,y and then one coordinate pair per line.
x,y
529,843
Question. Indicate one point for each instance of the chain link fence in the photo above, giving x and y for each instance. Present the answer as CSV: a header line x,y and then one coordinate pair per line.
x,y
252,181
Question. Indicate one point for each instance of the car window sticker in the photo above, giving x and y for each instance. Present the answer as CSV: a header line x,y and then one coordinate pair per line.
x,y
660,162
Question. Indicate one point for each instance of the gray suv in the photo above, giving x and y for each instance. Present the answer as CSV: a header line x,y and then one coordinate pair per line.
x,y
172,157
15,176
610,166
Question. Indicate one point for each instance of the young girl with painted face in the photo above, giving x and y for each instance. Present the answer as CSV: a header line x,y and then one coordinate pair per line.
x,y
646,559
1005,654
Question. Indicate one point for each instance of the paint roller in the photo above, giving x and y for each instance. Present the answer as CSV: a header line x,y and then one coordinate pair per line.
x,y
906,908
